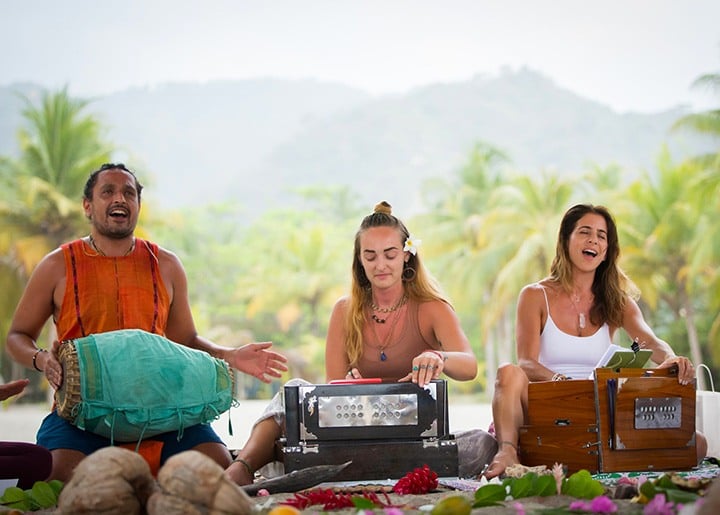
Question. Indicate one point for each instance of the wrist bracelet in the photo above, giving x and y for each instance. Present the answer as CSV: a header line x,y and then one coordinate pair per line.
x,y
559,377
34,360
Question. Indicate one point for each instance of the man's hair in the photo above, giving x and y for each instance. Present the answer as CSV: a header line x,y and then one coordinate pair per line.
x,y
92,180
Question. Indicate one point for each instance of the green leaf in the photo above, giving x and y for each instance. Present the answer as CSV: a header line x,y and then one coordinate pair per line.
x,y
362,503
12,494
582,485
15,497
43,494
681,496
522,486
648,489
489,495
56,486
545,486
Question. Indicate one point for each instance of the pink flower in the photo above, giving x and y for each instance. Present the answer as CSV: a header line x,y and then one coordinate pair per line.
x,y
658,506
579,506
624,480
602,504
519,508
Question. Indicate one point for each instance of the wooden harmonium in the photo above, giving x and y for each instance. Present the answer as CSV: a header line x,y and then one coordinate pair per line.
x,y
385,429
622,420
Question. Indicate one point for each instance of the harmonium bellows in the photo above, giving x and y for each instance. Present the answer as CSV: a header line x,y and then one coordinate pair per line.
x,y
385,429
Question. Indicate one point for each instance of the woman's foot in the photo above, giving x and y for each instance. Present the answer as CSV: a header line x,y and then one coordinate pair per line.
x,y
504,458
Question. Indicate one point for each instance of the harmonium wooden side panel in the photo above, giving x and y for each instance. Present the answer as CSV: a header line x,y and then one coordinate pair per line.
x,y
386,429
623,420
646,420
561,425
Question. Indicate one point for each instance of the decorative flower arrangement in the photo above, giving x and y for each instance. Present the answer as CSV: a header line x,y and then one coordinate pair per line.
x,y
667,495
419,481
412,245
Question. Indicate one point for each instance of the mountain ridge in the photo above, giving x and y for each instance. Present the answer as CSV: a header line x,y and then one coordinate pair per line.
x,y
253,141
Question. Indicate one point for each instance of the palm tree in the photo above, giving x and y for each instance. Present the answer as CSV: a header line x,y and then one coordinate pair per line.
x,y
299,268
658,242
706,192
40,204
493,233
706,122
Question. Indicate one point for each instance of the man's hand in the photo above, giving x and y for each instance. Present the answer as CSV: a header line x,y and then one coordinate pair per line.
x,y
256,360
12,388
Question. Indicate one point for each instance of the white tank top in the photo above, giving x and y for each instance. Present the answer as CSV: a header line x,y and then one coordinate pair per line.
x,y
573,356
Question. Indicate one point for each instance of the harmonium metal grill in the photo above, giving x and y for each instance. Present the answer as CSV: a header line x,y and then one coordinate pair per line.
x,y
385,429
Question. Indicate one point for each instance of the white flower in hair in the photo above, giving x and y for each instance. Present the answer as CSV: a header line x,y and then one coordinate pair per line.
x,y
411,245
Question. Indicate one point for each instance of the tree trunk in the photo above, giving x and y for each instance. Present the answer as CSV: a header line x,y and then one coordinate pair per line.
x,y
688,313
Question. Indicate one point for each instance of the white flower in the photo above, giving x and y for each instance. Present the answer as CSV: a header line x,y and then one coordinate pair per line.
x,y
411,245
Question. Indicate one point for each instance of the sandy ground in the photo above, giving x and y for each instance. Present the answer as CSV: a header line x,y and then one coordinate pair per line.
x,y
19,423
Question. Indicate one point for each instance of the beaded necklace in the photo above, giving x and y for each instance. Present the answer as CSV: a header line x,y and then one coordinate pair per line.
x,y
391,309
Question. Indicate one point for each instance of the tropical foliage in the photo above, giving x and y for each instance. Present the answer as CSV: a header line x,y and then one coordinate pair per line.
x,y
487,230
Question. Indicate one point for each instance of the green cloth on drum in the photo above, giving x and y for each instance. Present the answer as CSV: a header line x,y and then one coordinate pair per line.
x,y
136,384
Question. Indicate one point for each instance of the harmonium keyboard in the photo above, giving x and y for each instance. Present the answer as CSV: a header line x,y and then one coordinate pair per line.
x,y
384,429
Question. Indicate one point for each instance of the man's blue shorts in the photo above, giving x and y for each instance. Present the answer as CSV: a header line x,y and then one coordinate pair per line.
x,y
57,433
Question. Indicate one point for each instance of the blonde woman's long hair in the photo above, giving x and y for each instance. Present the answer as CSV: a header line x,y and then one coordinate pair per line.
x,y
611,287
420,286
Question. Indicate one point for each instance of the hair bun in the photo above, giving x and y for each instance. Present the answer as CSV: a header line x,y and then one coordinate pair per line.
x,y
383,207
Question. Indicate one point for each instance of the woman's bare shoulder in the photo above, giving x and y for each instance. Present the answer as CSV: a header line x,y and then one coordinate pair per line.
x,y
537,292
536,288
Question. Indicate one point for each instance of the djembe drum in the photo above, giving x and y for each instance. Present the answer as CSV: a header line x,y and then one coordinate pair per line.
x,y
130,384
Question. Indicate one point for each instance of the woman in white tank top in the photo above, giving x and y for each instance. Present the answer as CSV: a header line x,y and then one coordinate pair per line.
x,y
566,321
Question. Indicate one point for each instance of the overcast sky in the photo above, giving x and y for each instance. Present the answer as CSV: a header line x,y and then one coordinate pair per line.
x,y
637,55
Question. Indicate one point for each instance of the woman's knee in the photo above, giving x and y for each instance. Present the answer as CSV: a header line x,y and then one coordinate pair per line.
x,y
510,375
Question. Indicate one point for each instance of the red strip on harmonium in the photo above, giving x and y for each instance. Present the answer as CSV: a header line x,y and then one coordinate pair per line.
x,y
622,420
385,429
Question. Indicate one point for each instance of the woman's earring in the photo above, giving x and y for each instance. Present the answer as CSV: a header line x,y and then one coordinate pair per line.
x,y
408,273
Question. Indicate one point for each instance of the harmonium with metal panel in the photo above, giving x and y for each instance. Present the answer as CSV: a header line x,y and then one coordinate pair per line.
x,y
622,420
384,429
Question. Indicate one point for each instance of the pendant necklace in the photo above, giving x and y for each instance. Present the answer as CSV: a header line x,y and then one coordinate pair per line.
x,y
91,241
575,300
384,344
391,309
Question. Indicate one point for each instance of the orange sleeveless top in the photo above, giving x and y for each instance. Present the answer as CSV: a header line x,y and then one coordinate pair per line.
x,y
111,293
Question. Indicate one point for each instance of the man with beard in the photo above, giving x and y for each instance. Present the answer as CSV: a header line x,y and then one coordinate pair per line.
x,y
111,280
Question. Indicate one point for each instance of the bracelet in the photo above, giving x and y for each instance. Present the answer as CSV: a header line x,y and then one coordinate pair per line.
x,y
34,361
246,465
507,442
559,377
439,354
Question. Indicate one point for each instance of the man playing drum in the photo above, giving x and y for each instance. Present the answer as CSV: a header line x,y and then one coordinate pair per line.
x,y
107,281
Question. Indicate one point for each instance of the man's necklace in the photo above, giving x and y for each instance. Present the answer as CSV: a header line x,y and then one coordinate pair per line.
x,y
391,309
384,343
92,243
